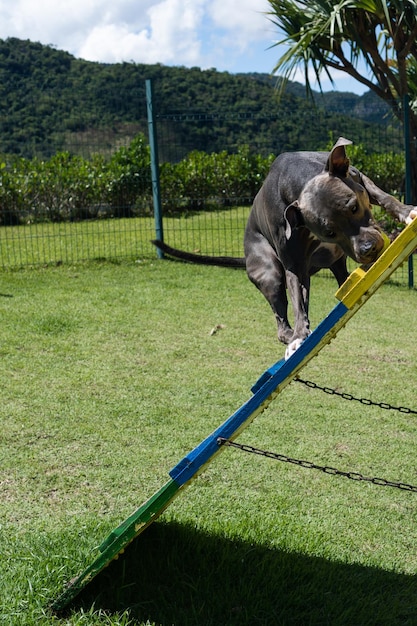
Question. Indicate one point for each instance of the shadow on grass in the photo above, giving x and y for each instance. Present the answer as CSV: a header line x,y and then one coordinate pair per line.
x,y
173,574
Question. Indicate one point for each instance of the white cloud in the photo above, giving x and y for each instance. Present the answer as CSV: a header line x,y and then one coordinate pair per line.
x,y
243,19
170,34
238,32
48,21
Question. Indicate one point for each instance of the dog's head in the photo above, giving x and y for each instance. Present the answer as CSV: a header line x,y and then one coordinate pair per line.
x,y
336,209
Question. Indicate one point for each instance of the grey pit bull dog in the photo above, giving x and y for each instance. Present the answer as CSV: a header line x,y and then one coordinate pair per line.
x,y
312,211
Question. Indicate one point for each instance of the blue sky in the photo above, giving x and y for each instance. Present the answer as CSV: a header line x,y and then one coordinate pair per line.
x,y
229,35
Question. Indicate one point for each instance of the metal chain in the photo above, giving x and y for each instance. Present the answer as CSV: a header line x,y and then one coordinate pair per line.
x,y
221,441
348,396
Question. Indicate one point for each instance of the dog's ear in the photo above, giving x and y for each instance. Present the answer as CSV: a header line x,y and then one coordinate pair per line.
x,y
338,162
293,218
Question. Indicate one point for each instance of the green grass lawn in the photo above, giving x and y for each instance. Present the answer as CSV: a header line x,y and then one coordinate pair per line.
x,y
110,375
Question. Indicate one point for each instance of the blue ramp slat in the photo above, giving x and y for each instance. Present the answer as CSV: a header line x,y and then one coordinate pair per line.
x,y
267,375
264,391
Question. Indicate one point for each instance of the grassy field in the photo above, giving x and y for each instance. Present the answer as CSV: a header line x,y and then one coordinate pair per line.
x,y
110,375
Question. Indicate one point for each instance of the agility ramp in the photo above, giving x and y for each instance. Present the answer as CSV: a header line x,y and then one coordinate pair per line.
x,y
357,289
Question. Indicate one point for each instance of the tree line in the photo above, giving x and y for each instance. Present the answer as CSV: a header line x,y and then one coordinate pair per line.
x,y
52,102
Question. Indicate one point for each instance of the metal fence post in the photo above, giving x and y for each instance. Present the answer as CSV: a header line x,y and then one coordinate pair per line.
x,y
408,192
153,144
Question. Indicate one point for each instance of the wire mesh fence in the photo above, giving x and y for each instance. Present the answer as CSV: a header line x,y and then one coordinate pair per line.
x,y
73,242
96,203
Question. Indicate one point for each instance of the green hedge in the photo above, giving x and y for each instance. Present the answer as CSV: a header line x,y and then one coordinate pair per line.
x,y
69,187
202,181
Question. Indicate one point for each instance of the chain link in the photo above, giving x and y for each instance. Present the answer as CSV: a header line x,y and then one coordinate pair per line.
x,y
382,482
348,396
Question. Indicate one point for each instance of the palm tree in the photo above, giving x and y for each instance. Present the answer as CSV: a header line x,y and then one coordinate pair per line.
x,y
381,35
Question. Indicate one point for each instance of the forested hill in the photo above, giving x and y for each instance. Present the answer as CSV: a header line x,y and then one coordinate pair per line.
x,y
49,101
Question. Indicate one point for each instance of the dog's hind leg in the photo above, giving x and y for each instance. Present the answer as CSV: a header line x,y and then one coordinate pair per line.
x,y
267,274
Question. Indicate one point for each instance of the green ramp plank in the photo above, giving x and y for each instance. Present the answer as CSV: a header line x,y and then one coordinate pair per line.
x,y
356,290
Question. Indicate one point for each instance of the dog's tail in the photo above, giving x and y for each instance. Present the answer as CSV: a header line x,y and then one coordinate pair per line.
x,y
202,259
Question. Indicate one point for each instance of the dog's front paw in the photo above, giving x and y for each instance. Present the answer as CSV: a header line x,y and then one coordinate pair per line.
x,y
292,347
411,215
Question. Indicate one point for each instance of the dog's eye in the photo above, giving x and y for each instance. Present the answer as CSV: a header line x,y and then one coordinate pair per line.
x,y
330,234
355,208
